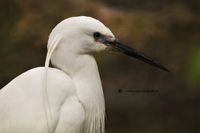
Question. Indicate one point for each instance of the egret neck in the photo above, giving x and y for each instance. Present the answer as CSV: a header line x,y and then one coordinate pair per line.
x,y
82,68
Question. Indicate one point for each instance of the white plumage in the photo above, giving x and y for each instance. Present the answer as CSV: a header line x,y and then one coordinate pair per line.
x,y
68,98
75,96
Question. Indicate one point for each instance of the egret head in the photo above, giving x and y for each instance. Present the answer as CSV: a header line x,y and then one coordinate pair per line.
x,y
86,35
81,34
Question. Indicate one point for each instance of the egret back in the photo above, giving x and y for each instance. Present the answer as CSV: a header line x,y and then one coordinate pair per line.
x,y
21,106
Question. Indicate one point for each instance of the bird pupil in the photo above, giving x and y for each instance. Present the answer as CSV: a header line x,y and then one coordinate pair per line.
x,y
97,35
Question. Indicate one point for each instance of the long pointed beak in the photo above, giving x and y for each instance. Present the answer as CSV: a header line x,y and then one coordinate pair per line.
x,y
116,44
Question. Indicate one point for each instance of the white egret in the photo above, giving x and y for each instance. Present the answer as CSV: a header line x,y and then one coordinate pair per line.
x,y
69,97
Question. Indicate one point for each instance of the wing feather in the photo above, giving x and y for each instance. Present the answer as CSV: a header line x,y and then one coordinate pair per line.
x,y
21,107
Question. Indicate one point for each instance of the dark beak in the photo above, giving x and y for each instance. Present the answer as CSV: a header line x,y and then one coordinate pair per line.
x,y
116,44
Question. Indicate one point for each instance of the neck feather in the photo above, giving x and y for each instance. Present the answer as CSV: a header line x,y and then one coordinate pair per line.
x,y
84,72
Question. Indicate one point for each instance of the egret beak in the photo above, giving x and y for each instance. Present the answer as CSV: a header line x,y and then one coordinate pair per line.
x,y
117,45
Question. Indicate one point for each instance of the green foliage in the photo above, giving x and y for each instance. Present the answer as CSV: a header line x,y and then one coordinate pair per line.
x,y
194,73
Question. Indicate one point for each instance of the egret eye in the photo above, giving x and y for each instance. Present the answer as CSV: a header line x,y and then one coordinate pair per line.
x,y
97,35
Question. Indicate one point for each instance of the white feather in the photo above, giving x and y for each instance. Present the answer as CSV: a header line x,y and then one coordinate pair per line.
x,y
65,99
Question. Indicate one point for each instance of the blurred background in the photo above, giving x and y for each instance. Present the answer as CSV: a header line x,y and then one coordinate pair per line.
x,y
168,30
